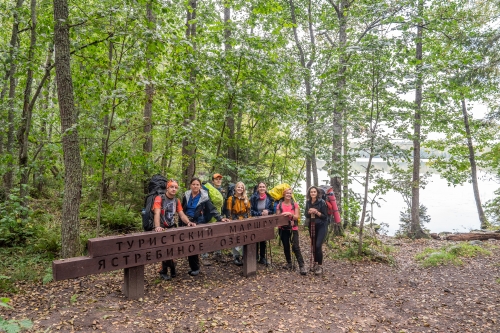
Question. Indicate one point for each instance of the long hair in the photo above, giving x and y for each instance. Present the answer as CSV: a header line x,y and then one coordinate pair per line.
x,y
308,196
244,191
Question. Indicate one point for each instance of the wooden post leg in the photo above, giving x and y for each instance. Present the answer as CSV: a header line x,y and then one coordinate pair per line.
x,y
133,282
249,260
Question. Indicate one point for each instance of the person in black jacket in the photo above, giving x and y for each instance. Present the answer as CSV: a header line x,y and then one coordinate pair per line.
x,y
317,207
262,204
199,209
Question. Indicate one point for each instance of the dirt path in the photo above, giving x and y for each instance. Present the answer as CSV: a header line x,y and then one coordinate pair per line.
x,y
349,297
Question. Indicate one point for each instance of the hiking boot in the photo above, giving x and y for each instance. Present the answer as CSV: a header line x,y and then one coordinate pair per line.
x,y
288,266
303,270
262,261
237,261
205,262
312,268
165,276
318,270
194,273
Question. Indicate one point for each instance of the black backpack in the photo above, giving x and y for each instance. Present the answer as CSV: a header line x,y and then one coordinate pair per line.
x,y
157,186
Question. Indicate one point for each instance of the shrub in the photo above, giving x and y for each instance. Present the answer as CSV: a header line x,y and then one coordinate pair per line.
x,y
449,254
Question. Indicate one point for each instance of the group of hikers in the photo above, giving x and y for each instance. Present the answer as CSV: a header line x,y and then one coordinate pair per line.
x,y
197,207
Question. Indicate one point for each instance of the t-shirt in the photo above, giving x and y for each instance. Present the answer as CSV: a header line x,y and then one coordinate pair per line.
x,y
170,207
288,209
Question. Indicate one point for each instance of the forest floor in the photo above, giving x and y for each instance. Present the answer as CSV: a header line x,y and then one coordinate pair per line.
x,y
351,296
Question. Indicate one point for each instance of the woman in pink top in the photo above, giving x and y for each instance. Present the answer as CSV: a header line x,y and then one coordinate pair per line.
x,y
290,234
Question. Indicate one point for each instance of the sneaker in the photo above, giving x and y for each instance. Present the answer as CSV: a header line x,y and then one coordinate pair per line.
x,y
206,262
288,266
165,276
318,270
262,261
194,273
303,270
237,261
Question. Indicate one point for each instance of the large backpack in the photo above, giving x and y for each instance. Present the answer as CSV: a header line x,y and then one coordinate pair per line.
x,y
157,186
277,194
216,198
326,193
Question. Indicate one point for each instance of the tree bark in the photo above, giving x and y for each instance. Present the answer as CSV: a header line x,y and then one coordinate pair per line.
x,y
340,107
231,149
70,229
473,168
14,47
188,143
415,227
306,68
473,236
25,125
147,146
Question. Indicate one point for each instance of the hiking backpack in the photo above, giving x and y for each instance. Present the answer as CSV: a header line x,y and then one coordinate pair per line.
x,y
157,187
326,193
216,198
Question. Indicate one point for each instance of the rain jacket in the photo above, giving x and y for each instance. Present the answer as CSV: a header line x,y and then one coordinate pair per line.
x,y
205,210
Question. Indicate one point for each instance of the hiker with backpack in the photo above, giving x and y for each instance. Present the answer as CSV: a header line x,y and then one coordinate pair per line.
x,y
237,208
216,195
290,233
199,210
163,205
261,204
317,213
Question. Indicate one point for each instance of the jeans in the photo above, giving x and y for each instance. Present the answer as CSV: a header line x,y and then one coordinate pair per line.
x,y
320,229
291,236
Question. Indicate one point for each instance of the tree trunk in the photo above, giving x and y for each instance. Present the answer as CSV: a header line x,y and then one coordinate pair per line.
x,y
188,143
14,47
70,229
25,125
340,107
473,236
231,150
415,227
473,169
147,146
344,208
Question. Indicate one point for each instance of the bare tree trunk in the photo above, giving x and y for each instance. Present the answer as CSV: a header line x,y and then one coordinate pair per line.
x,y
306,68
415,227
25,125
340,108
14,47
188,144
231,150
147,147
473,169
344,209
70,229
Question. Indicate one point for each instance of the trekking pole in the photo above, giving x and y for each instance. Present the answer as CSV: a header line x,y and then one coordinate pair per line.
x,y
313,239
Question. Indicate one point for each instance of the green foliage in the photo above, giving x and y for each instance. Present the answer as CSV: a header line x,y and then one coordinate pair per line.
x,y
372,248
12,325
450,254
114,217
405,219
22,264
14,229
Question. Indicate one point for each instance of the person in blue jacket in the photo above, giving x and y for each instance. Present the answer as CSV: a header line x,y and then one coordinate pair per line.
x,y
262,204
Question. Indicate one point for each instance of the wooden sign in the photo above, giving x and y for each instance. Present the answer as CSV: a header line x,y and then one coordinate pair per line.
x,y
131,252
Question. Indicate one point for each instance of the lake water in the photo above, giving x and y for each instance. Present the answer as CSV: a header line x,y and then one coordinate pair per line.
x,y
451,208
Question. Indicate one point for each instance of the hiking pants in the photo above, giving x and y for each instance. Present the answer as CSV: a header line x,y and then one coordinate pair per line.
x,y
286,236
320,234
194,260
261,247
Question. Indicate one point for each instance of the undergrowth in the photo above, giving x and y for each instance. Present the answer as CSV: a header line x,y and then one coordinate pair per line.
x,y
449,254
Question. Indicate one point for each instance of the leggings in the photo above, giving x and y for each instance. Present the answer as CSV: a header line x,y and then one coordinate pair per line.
x,y
320,229
286,235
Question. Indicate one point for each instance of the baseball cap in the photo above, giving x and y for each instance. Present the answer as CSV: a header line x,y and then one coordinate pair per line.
x,y
216,175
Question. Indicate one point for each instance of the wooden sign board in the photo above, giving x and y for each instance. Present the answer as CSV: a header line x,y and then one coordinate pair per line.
x,y
131,252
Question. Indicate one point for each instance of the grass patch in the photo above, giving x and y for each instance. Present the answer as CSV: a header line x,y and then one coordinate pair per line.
x,y
450,254
347,248
23,264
